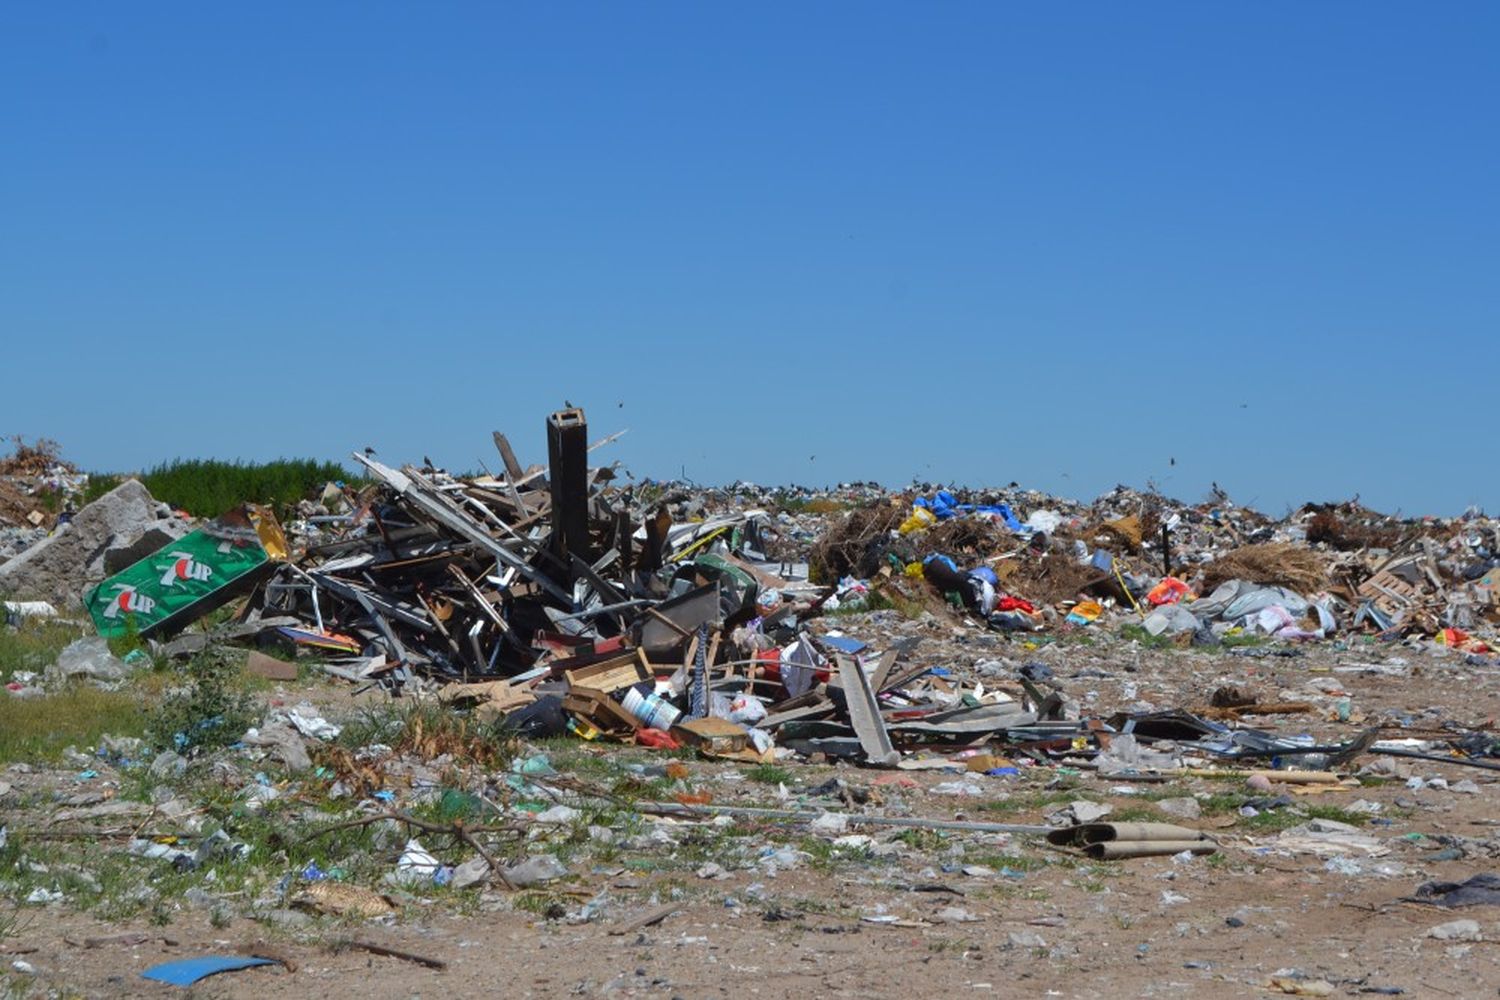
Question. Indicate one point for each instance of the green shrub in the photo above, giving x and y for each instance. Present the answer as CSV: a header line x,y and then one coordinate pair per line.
x,y
206,487
209,712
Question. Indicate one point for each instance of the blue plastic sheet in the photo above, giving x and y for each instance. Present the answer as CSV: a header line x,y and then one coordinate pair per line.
x,y
945,505
189,970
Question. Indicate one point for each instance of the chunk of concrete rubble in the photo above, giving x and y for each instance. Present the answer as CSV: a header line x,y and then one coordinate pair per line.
x,y
1455,930
535,871
283,742
1079,811
1186,807
954,915
1026,939
124,525
87,659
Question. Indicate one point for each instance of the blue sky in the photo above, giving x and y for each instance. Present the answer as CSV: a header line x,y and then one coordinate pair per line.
x,y
974,242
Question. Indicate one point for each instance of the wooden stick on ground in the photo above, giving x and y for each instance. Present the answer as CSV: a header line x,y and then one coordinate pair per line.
x,y
380,949
646,919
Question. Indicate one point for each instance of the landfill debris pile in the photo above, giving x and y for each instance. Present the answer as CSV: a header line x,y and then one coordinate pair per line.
x,y
38,490
1104,734
558,600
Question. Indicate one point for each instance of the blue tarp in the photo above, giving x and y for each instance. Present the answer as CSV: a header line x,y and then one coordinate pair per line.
x,y
945,505
190,970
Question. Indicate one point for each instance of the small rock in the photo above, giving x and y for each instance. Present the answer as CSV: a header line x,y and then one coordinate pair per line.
x,y
1080,811
286,919
534,871
1455,930
197,898
1026,939
955,915
471,872
712,870
1186,807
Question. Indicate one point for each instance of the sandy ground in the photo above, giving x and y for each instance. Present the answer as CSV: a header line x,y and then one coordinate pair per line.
x,y
913,922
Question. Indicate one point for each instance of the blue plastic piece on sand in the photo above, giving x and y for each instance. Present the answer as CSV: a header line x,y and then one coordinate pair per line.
x,y
190,970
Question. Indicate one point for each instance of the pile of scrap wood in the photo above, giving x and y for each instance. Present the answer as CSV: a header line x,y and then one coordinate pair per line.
x,y
432,578
551,600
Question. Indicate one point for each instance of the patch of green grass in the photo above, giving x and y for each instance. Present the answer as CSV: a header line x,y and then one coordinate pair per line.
x,y
128,641
1138,634
1271,821
1276,820
1077,636
884,599
1221,803
1025,802
1142,813
429,730
1244,640
634,789
809,904
1015,862
769,774
567,755
33,645
37,729
922,840
821,854
213,710
1336,814
547,905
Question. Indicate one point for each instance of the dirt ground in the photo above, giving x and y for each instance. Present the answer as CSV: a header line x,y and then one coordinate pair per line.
x,y
936,915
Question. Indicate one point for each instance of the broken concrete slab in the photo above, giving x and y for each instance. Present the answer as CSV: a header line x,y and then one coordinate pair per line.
x,y
59,568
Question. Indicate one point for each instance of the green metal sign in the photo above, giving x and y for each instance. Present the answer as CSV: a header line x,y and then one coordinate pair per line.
x,y
178,582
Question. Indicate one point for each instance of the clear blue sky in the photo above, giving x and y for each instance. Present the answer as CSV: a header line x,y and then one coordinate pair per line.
x,y
973,242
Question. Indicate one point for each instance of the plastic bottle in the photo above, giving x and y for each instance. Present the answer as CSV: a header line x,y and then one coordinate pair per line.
x,y
654,711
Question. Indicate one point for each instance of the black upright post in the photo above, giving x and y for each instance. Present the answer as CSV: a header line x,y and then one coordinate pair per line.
x,y
568,474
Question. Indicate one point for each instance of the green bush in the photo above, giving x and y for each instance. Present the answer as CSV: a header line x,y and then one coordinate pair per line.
x,y
209,713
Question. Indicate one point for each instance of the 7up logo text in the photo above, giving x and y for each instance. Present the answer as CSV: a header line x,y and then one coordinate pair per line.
x,y
128,601
185,567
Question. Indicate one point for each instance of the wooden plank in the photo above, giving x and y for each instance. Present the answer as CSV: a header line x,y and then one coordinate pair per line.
x,y
652,916
513,470
864,714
